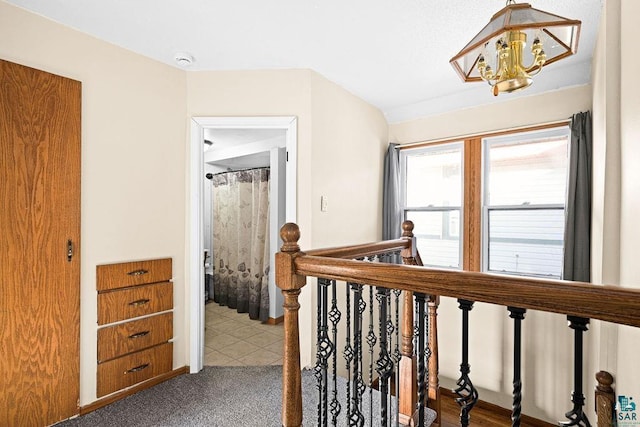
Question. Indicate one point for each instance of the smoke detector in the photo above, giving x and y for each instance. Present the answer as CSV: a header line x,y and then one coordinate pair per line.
x,y
183,59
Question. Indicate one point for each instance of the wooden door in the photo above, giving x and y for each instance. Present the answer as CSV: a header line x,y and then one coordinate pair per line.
x,y
39,215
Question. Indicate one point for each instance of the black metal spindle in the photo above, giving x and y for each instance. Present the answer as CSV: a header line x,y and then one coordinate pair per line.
x,y
356,418
517,314
427,349
389,330
334,317
576,416
324,349
371,341
397,355
384,365
466,392
348,350
419,349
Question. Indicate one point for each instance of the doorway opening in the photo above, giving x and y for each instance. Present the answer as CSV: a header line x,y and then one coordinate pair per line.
x,y
243,142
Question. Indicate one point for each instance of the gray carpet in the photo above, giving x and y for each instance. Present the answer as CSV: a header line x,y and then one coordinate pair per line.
x,y
216,396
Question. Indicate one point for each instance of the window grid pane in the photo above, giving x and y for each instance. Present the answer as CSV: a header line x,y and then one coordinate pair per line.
x,y
526,241
438,236
434,177
532,172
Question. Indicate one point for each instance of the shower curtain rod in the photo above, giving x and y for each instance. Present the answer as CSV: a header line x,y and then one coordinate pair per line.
x,y
211,175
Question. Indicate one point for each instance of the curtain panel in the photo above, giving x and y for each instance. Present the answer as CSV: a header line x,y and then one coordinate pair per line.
x,y
392,215
577,231
240,226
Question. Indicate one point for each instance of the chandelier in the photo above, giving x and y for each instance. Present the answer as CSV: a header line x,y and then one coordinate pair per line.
x,y
498,53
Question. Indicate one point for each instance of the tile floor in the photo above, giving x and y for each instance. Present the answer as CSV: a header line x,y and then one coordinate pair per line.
x,y
232,339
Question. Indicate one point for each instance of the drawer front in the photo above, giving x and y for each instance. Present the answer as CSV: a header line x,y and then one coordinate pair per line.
x,y
125,274
128,370
124,338
123,304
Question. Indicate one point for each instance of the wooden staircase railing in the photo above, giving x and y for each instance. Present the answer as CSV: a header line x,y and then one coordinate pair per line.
x,y
574,299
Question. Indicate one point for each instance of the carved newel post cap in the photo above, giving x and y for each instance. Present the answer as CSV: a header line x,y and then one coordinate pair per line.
x,y
605,379
407,229
290,234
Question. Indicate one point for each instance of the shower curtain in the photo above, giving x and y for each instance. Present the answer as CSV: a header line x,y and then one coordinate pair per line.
x,y
241,241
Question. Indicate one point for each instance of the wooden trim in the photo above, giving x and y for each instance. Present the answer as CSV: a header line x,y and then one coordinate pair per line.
x,y
472,212
554,296
367,249
527,420
275,320
132,390
529,128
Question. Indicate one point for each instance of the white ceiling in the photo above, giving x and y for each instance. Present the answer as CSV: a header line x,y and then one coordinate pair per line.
x,y
393,54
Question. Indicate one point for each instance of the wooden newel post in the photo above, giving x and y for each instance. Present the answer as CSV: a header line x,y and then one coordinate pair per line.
x,y
605,399
290,283
408,393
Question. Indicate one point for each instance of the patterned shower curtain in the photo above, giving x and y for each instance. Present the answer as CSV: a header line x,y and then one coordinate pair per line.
x,y
241,241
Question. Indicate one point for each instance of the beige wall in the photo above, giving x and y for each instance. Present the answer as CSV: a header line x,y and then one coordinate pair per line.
x,y
605,244
349,140
490,328
617,180
513,112
338,135
135,115
133,133
267,93
628,372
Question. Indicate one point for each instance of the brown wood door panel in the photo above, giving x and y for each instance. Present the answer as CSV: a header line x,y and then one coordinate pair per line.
x,y
123,338
39,213
137,301
121,275
134,368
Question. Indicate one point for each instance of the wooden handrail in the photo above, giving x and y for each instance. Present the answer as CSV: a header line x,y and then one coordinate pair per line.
x,y
556,296
364,250
608,303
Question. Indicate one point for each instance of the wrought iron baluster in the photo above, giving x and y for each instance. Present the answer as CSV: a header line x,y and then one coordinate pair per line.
x,y
323,351
348,350
389,330
397,356
576,416
427,352
317,369
383,364
396,351
420,346
466,392
356,418
334,316
517,314
371,341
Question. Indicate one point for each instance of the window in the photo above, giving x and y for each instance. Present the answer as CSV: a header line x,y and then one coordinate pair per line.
x,y
433,201
525,185
492,204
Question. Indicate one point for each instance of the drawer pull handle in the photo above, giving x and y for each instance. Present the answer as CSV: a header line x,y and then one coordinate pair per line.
x,y
137,369
139,334
139,302
137,272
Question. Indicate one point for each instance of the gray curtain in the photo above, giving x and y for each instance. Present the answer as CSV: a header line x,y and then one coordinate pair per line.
x,y
577,232
391,213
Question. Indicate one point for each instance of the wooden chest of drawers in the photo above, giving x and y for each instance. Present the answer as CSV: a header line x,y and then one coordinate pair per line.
x,y
134,299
